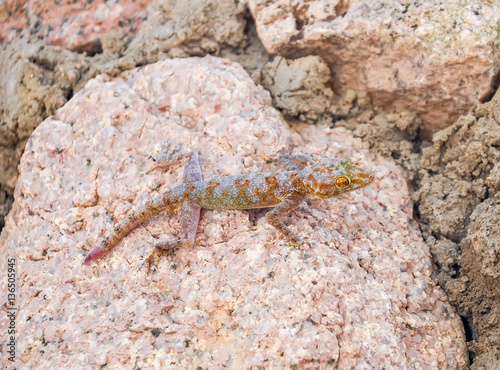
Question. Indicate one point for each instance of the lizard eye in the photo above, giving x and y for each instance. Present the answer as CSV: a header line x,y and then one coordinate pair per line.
x,y
342,181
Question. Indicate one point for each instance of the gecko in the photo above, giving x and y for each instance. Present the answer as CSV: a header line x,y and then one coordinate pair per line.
x,y
284,191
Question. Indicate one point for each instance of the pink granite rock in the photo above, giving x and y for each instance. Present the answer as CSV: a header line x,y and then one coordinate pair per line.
x,y
75,25
436,58
36,79
156,28
363,295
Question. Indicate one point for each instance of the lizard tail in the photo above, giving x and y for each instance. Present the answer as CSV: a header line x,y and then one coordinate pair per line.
x,y
162,202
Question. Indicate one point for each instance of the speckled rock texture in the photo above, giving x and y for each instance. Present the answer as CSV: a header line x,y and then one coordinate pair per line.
x,y
458,201
36,77
436,58
362,295
75,25
177,28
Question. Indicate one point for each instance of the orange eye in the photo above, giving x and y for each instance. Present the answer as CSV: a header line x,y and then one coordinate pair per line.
x,y
342,182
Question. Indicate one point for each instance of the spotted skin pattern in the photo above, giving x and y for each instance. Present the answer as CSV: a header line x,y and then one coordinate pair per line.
x,y
283,191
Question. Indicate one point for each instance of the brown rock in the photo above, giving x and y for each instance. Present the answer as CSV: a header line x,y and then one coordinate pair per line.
x,y
299,87
435,58
189,28
35,81
458,204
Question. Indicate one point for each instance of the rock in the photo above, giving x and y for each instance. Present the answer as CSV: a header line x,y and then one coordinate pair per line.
x,y
455,173
361,295
74,26
35,80
5,205
391,135
483,238
299,87
457,195
189,28
434,58
156,28
38,78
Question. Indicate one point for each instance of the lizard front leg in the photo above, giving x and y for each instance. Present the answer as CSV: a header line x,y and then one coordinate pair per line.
x,y
289,204
189,216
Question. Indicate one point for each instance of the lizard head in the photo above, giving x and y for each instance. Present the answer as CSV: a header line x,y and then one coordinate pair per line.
x,y
333,176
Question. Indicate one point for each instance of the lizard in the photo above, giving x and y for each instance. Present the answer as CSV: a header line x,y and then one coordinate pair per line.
x,y
284,191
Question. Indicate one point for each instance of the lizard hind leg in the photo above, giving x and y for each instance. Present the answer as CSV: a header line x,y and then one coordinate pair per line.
x,y
189,216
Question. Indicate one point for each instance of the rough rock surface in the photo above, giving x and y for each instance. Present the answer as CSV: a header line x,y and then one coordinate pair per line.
x,y
436,58
5,206
35,81
73,25
299,87
458,201
37,78
170,27
189,28
456,182
466,154
362,295
391,135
